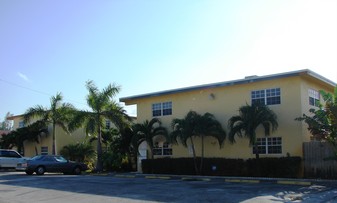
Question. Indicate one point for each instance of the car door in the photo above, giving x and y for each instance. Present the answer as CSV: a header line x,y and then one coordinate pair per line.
x,y
50,164
3,158
62,165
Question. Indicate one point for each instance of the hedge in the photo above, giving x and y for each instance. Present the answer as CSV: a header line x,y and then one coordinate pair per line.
x,y
284,167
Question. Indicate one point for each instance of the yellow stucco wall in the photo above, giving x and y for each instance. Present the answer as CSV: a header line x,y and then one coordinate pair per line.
x,y
226,102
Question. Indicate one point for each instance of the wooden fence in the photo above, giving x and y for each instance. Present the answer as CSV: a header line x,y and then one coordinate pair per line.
x,y
317,160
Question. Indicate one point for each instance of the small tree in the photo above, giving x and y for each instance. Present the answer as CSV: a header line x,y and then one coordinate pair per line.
x,y
322,124
30,133
196,125
78,152
249,118
146,131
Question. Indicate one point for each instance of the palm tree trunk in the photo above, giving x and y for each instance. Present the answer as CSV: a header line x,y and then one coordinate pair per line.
x,y
194,158
99,164
257,157
202,154
54,140
151,150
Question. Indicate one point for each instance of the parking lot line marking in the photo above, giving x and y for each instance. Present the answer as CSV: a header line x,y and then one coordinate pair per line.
x,y
125,176
164,177
286,182
241,181
250,181
158,177
196,179
232,180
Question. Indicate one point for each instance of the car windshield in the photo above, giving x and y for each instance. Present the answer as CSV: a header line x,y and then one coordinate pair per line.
x,y
60,159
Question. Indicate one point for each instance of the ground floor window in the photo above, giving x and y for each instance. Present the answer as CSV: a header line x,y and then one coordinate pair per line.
x,y
44,150
268,145
162,149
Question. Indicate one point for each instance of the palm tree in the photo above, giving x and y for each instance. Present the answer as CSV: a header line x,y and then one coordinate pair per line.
x,y
58,115
146,131
78,152
193,125
30,133
103,107
209,126
184,130
249,118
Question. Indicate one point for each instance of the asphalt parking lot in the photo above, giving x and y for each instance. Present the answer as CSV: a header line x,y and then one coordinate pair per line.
x,y
18,187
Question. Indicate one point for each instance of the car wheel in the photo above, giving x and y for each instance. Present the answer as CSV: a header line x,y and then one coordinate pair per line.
x,y
29,172
77,170
40,170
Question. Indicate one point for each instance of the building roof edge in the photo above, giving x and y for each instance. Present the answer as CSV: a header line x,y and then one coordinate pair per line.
x,y
248,79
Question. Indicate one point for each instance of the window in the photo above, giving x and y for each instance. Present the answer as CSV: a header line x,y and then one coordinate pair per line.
x,y
269,145
314,97
162,109
267,96
156,109
21,124
9,154
44,150
164,150
107,124
167,108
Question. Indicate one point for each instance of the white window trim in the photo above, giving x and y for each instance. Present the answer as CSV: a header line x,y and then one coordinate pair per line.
x,y
160,147
43,152
266,146
265,95
21,124
160,106
315,95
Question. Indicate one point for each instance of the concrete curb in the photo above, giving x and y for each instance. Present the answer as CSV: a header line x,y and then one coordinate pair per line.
x,y
244,180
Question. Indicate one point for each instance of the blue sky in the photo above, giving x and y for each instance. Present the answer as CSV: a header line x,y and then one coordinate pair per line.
x,y
148,45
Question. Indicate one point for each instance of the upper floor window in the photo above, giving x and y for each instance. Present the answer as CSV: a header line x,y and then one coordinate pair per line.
x,y
313,97
21,124
269,145
162,109
266,96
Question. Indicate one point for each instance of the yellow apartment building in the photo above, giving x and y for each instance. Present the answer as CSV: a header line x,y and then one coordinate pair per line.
x,y
288,94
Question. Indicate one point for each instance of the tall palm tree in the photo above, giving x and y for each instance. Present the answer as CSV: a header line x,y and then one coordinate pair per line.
x,y
249,118
196,125
146,131
58,115
103,107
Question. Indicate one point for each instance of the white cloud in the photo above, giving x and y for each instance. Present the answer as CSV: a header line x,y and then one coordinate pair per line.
x,y
23,76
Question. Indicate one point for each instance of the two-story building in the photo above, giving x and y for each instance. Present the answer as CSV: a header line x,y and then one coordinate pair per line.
x,y
289,95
